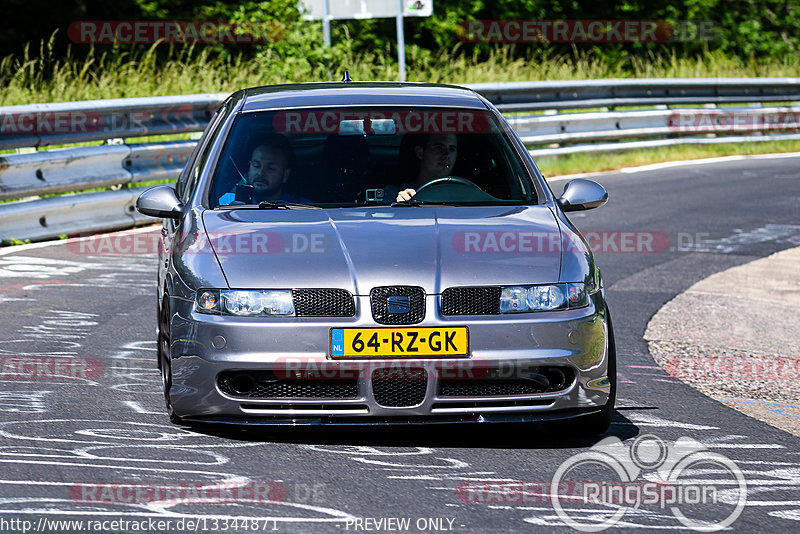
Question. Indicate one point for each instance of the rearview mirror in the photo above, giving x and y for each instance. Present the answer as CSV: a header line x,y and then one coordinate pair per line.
x,y
160,201
582,194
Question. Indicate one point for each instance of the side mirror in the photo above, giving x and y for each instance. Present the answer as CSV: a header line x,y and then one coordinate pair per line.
x,y
582,194
160,201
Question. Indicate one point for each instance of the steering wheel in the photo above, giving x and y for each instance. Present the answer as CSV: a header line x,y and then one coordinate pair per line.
x,y
445,180
462,190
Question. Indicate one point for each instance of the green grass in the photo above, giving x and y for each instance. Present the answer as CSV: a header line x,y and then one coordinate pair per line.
x,y
552,166
39,77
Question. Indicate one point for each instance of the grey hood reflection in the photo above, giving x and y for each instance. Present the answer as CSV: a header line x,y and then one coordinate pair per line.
x,y
361,248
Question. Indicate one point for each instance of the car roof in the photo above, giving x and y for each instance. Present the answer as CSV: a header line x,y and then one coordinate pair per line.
x,y
339,94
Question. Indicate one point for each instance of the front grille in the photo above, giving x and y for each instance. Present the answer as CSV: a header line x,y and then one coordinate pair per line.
x,y
529,381
266,385
488,388
399,387
379,300
471,301
323,303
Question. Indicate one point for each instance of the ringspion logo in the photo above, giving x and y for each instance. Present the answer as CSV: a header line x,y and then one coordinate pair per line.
x,y
649,474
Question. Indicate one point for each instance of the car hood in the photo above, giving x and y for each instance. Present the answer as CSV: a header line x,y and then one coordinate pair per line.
x,y
434,247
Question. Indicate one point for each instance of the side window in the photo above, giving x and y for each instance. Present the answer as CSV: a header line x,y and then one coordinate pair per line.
x,y
180,185
188,179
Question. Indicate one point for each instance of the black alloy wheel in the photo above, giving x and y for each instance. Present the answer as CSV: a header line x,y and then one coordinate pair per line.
x,y
165,361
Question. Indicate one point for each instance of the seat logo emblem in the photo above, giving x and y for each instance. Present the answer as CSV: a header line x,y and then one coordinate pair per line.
x,y
398,304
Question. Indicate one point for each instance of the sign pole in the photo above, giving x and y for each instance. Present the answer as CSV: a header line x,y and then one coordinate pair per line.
x,y
401,42
329,11
326,22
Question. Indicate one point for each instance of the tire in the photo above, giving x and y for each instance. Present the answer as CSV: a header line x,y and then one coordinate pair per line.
x,y
165,360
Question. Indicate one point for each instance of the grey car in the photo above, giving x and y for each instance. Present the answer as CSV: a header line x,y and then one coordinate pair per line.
x,y
376,253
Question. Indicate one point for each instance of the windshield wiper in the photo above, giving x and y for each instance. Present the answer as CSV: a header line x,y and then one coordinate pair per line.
x,y
407,203
283,205
414,203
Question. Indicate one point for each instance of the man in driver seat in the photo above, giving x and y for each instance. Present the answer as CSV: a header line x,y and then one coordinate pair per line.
x,y
271,163
437,154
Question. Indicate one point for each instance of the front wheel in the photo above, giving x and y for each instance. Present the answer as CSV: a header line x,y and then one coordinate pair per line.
x,y
165,361
590,425
597,423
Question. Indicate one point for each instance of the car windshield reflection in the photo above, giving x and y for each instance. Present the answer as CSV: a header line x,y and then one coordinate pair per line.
x,y
328,157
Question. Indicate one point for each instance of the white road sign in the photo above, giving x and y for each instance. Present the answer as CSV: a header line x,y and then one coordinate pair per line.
x,y
365,9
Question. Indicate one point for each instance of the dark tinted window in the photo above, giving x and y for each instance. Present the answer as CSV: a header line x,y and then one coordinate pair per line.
x,y
354,156
189,178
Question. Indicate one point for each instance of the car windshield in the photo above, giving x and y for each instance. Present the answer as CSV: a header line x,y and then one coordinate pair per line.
x,y
341,157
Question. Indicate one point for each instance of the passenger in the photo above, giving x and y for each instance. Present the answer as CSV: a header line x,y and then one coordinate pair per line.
x,y
268,172
437,154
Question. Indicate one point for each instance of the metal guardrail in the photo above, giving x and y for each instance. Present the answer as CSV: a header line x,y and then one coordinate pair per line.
x,y
53,217
611,93
582,127
41,125
673,126
124,166
75,169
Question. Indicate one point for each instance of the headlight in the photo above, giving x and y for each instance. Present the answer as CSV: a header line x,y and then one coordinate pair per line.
x,y
246,303
516,299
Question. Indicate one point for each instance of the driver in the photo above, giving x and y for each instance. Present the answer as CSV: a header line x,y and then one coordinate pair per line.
x,y
268,172
437,154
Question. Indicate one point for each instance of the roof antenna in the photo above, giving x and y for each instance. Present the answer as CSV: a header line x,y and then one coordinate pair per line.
x,y
346,78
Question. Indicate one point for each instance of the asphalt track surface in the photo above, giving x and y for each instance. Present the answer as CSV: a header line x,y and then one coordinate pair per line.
x,y
77,449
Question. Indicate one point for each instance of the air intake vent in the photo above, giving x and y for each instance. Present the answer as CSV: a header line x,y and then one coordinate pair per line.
x,y
471,301
529,381
266,385
323,303
399,387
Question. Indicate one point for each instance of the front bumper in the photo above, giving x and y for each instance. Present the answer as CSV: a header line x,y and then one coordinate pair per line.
x,y
489,386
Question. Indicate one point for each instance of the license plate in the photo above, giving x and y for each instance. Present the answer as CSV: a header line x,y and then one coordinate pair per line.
x,y
393,342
